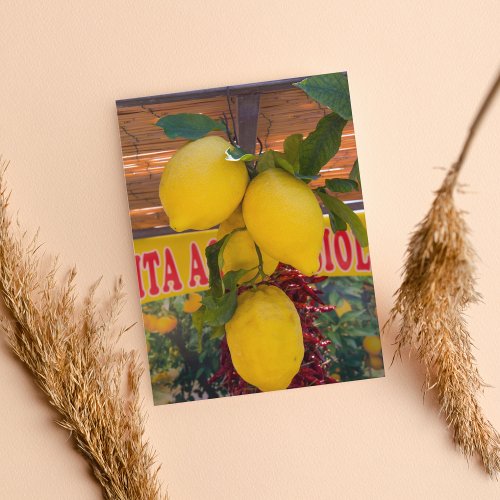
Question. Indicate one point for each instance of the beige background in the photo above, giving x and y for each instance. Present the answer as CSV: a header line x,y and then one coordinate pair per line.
x,y
417,71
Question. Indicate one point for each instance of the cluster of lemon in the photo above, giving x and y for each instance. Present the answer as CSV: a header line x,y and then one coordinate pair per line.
x,y
277,212
168,323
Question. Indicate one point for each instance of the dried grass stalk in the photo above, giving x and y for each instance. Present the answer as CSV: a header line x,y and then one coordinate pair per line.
x,y
438,285
71,353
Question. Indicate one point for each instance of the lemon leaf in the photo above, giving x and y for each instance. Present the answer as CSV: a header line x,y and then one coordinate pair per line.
x,y
342,185
266,161
221,309
337,223
217,332
291,147
231,278
307,178
237,154
284,164
190,126
354,175
321,144
215,262
198,319
342,211
331,90
214,277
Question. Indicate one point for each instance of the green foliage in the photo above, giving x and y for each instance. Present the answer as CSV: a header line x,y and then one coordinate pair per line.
x,y
217,311
339,209
337,223
219,302
348,329
321,144
275,159
266,161
291,149
237,154
214,277
354,175
341,185
331,90
190,126
179,372
283,163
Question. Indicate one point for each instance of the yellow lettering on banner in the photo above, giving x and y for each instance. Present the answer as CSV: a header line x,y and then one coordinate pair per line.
x,y
175,264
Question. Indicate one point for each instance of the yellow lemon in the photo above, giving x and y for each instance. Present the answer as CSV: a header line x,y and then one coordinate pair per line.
x,y
376,362
265,338
240,252
149,322
159,324
166,324
192,303
199,188
343,308
372,345
285,219
165,376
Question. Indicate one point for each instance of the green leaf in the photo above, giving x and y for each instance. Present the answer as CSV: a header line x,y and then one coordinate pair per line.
x,y
198,318
321,144
350,316
284,164
217,332
231,278
266,161
292,148
215,263
221,309
188,125
341,185
337,223
237,154
336,338
214,277
354,175
331,90
307,178
341,210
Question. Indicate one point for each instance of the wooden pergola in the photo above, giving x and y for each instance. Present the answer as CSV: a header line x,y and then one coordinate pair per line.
x,y
268,111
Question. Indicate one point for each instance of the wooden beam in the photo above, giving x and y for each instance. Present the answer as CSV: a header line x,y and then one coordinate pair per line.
x,y
207,93
248,116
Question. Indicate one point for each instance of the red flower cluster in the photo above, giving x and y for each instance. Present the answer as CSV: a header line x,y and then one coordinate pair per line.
x,y
314,369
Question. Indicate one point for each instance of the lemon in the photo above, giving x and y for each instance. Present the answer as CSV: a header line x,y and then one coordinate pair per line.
x,y
376,362
343,308
159,324
284,218
192,303
239,252
199,188
265,338
165,376
371,344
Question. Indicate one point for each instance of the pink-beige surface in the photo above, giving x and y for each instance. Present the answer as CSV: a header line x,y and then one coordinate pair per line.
x,y
416,72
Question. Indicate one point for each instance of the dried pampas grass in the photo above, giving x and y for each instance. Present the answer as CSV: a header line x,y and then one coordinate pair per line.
x,y
70,352
437,287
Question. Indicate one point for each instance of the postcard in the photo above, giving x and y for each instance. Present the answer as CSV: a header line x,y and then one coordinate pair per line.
x,y
249,237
